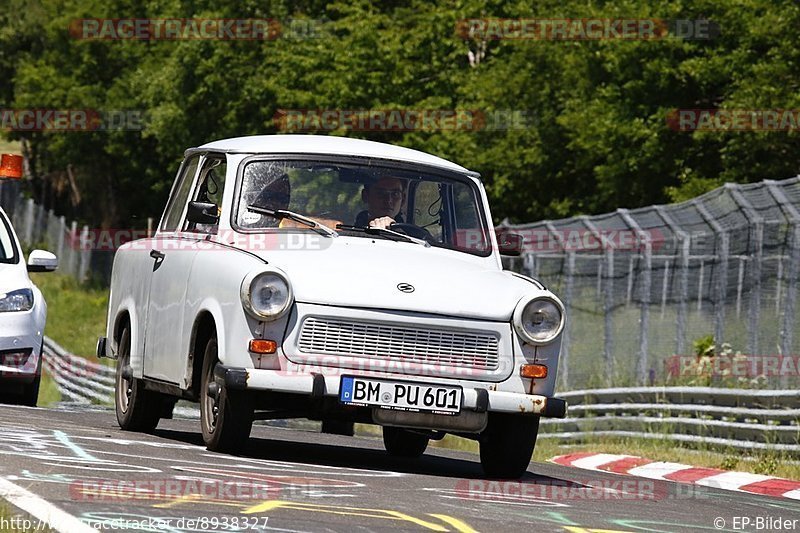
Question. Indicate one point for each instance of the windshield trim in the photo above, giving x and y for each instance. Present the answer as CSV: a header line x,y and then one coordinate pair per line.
x,y
364,161
14,259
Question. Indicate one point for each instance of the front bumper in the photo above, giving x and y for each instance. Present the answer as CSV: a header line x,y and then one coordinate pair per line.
x,y
19,334
476,399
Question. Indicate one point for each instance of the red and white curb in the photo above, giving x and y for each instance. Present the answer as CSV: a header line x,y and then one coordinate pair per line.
x,y
708,477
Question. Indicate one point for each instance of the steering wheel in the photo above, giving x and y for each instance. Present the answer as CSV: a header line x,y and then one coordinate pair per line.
x,y
412,231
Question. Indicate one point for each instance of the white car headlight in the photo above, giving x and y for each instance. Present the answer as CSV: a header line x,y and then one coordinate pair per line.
x,y
539,320
19,300
266,295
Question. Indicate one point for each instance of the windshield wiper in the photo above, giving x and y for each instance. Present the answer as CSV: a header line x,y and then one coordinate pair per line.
x,y
384,233
297,217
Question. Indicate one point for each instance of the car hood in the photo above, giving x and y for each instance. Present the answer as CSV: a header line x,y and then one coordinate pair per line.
x,y
367,273
13,277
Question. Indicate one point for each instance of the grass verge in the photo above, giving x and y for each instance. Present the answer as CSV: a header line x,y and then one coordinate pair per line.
x,y
9,147
76,314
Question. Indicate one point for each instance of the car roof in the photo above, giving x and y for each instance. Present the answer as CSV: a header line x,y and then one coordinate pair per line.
x,y
329,145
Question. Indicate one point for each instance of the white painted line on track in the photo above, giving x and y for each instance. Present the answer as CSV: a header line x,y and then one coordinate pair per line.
x,y
40,508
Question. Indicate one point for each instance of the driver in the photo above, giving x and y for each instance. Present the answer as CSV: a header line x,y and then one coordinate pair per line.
x,y
384,198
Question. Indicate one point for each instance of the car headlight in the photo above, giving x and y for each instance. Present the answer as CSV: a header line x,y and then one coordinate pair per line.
x,y
266,295
19,300
539,320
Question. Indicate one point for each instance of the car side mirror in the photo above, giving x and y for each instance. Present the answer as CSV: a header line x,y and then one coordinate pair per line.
x,y
202,213
42,261
509,243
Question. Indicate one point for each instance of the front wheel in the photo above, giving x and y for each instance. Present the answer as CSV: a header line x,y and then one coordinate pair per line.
x,y
507,445
30,392
226,416
401,442
137,409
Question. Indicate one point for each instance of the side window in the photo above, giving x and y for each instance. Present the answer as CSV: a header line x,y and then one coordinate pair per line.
x,y
470,234
172,215
428,207
209,189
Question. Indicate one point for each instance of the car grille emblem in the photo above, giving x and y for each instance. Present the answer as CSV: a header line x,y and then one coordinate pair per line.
x,y
405,287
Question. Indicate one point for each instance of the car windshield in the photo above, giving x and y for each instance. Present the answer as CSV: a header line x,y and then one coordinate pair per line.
x,y
443,211
7,247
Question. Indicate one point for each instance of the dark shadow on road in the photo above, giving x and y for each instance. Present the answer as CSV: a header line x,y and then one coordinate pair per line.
x,y
356,452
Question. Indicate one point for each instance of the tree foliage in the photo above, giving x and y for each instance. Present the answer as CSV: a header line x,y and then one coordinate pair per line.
x,y
595,138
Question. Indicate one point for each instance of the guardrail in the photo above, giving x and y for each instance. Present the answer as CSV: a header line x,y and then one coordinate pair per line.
x,y
78,379
716,417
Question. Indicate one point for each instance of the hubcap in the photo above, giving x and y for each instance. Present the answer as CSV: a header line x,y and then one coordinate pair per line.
x,y
211,403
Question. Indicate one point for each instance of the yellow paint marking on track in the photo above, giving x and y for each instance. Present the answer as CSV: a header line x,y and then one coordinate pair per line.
x,y
195,498
572,529
385,514
460,526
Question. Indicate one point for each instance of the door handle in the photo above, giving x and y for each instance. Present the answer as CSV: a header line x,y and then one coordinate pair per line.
x,y
158,256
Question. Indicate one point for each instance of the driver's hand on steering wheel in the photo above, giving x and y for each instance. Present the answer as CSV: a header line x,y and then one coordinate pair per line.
x,y
382,222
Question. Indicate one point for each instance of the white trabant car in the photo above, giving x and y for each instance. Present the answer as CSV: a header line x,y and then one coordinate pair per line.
x,y
23,313
338,280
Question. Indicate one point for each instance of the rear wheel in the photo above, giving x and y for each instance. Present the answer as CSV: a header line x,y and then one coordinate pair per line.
x,y
226,416
137,409
507,445
400,442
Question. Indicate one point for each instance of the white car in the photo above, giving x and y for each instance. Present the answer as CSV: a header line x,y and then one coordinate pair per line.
x,y
23,313
340,280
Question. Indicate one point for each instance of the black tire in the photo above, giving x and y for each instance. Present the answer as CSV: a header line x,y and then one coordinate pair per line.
x,y
226,420
401,442
507,445
137,409
338,427
30,392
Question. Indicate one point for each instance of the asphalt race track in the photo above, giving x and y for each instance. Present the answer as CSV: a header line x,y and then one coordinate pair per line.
x,y
293,480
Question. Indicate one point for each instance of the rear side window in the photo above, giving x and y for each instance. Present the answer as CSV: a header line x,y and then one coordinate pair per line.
x,y
8,250
180,194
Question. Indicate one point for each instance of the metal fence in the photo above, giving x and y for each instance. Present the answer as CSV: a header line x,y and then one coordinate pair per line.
x,y
38,227
641,285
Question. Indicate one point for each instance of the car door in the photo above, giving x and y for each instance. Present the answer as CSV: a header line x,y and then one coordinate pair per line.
x,y
172,254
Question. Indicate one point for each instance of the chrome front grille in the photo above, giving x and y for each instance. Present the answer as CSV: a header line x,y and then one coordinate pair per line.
x,y
371,340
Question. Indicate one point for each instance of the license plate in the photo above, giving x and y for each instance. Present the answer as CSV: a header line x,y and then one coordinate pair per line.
x,y
401,395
